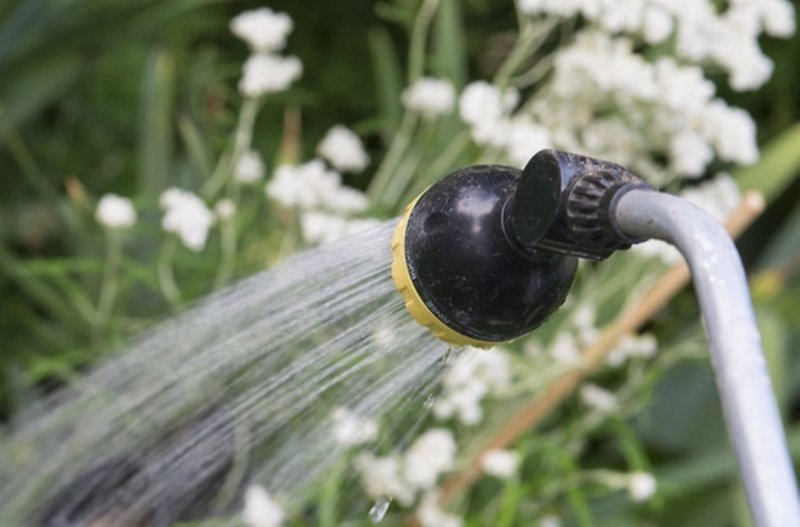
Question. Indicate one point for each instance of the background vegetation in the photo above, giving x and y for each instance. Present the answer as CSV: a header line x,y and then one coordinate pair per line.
x,y
133,97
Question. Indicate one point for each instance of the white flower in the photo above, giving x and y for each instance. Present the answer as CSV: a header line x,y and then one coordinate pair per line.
x,y
550,521
262,29
565,350
653,248
312,186
682,89
641,486
300,185
381,477
463,402
343,149
658,24
322,227
778,17
266,73
431,515
187,216
500,463
583,319
530,7
225,209
429,455
115,212
249,168
524,139
690,153
597,398
430,97
260,509
473,375
481,103
629,346
351,430
718,196
731,131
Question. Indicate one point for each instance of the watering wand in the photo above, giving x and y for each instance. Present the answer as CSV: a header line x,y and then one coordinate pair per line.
x,y
489,252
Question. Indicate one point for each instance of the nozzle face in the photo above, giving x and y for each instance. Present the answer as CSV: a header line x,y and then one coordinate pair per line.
x,y
463,266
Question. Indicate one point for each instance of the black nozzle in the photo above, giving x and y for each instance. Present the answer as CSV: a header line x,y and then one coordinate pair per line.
x,y
468,273
488,252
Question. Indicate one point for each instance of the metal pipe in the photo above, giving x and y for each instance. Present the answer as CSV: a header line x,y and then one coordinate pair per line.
x,y
748,401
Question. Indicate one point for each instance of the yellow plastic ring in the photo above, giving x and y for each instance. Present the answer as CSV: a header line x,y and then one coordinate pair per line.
x,y
414,304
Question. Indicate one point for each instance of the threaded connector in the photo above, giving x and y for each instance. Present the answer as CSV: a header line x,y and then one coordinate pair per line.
x,y
563,204
590,199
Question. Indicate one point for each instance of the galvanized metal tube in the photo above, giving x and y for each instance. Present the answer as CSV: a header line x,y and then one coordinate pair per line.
x,y
748,401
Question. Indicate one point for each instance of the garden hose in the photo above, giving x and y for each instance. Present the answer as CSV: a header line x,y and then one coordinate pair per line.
x,y
489,252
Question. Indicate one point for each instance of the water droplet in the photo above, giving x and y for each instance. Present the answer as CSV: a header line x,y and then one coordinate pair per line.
x,y
429,401
378,510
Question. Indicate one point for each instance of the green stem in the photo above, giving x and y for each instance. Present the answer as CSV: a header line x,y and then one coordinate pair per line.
x,y
401,140
228,244
393,157
419,37
534,74
531,37
329,494
440,165
108,287
24,158
242,138
166,274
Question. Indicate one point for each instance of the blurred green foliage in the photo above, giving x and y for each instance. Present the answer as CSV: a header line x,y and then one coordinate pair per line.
x,y
130,97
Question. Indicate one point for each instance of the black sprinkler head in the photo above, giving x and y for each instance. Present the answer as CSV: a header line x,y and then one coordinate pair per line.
x,y
489,252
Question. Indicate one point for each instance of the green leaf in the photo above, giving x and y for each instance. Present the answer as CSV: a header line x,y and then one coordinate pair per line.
x,y
155,123
779,165
388,76
196,147
449,49
775,342
23,94
785,244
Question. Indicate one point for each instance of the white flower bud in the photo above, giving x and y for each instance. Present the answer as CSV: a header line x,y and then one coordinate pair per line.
x,y
115,212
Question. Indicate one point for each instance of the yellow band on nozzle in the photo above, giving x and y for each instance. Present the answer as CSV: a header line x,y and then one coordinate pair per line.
x,y
414,304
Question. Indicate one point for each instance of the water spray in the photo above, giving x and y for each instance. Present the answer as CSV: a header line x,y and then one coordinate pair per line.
x,y
485,255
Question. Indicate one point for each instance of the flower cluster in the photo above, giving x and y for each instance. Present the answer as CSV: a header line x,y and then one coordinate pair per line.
x,y
326,206
430,514
473,375
351,430
402,475
343,149
249,168
261,509
488,112
115,212
430,97
728,39
265,71
597,399
500,463
606,99
187,216
641,486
